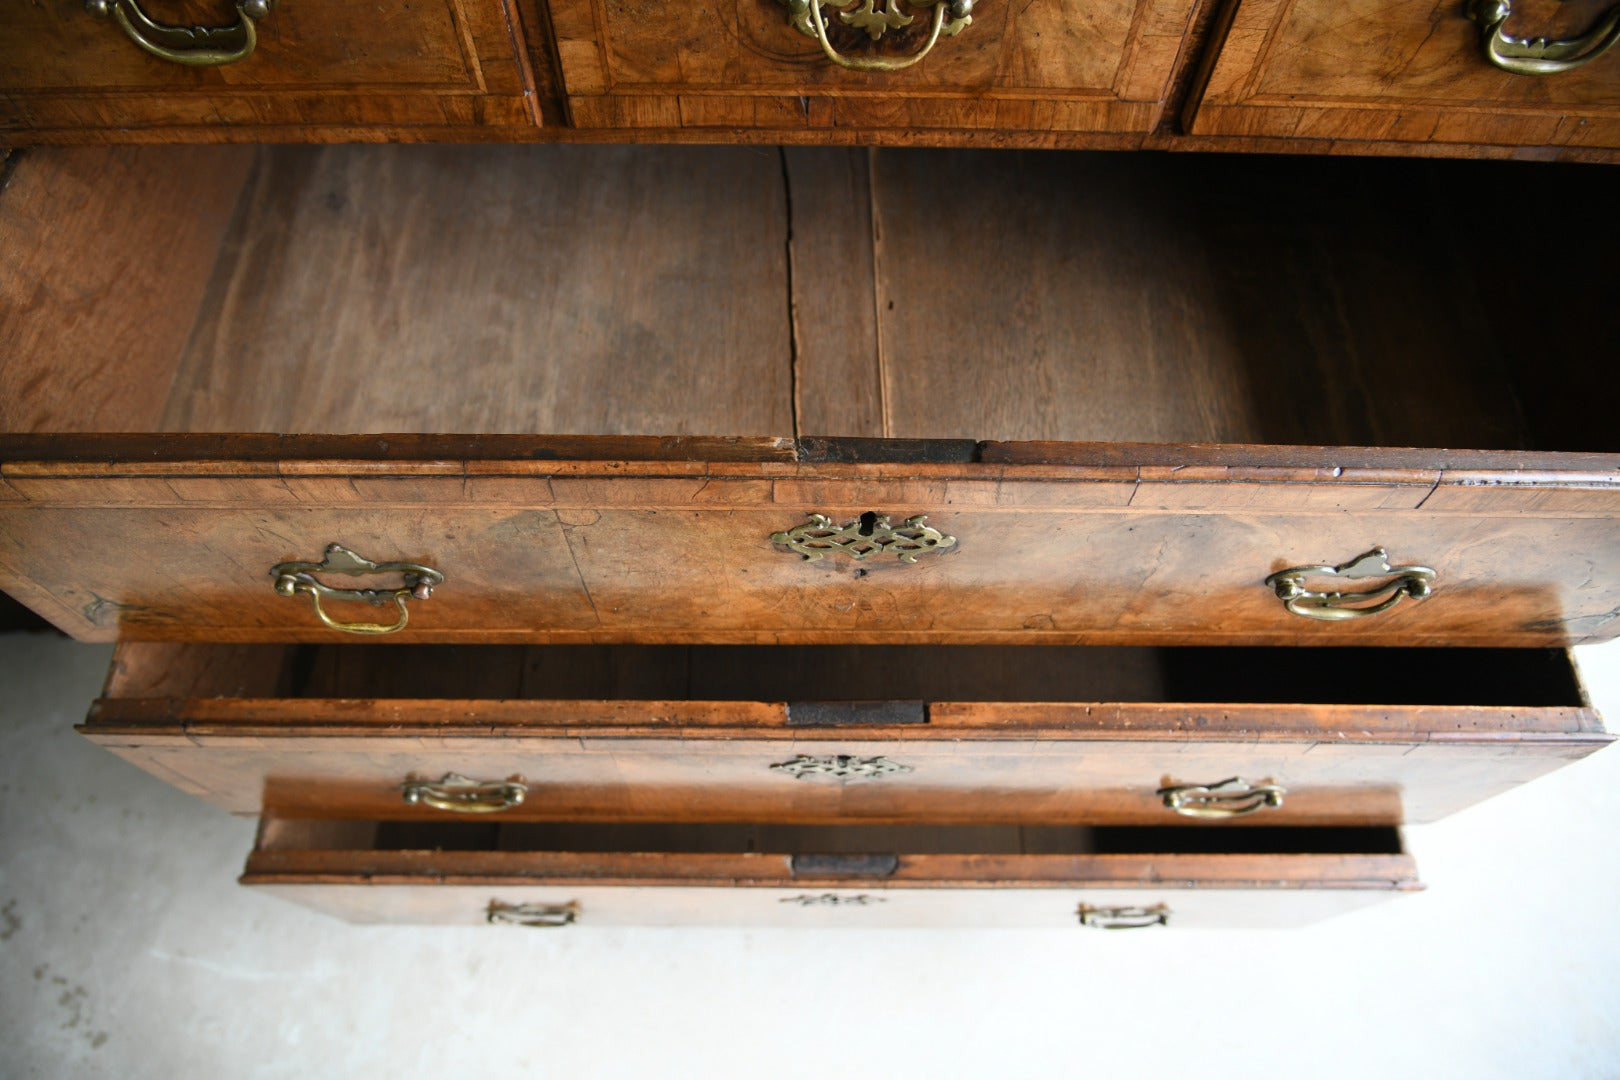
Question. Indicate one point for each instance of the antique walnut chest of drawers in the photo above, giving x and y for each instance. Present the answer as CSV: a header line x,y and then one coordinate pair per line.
x,y
813,535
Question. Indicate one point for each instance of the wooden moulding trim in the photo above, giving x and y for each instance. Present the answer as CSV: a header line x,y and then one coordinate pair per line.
x,y
260,455
1318,459
518,35
1289,871
164,448
419,718
512,132
1301,636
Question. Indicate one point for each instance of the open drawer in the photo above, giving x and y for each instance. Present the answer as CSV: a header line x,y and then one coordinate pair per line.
x,y
1115,436
1030,735
672,874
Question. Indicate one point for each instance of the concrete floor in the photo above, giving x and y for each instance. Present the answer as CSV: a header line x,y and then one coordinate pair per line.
x,y
126,950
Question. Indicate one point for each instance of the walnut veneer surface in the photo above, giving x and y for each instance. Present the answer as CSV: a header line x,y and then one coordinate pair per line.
x,y
1036,736
771,299
1288,75
1128,388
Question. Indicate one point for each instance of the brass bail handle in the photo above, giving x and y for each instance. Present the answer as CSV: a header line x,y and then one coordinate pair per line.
x,y
1123,918
196,46
1539,56
1330,605
292,578
542,915
1232,797
459,794
950,16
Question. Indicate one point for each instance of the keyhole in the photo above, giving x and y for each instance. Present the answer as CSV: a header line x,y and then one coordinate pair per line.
x,y
868,523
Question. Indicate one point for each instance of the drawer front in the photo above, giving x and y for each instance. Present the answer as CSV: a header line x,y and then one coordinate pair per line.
x,y
977,876
443,62
1412,71
517,906
1044,66
201,719
1056,781
718,552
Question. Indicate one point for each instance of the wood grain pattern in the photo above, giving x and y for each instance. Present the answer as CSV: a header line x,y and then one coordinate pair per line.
x,y
454,62
1184,323
561,282
1118,298
102,456
1410,71
482,70
837,362
982,138
1180,325
1045,66
565,323
540,551
104,257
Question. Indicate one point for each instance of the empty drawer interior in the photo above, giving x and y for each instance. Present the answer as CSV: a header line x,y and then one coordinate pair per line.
x,y
817,847
1482,678
722,291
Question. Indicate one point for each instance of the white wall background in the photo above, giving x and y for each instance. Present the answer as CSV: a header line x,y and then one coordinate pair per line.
x,y
126,950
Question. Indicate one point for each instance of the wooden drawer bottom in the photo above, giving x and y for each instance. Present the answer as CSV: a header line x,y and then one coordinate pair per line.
x,y
680,874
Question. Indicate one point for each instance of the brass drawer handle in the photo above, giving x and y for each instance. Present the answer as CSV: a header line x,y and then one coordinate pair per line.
x,y
198,46
293,578
1539,56
499,914
462,795
1123,918
807,17
868,535
1232,797
1291,588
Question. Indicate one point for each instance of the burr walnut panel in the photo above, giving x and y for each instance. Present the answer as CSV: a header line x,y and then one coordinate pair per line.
x,y
1408,71
607,549
1048,65
455,62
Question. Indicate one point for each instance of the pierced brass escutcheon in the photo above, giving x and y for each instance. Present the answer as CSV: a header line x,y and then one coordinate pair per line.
x,y
810,19
194,46
1232,797
1290,586
543,915
292,578
1539,56
463,795
1123,918
868,535
833,900
840,767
